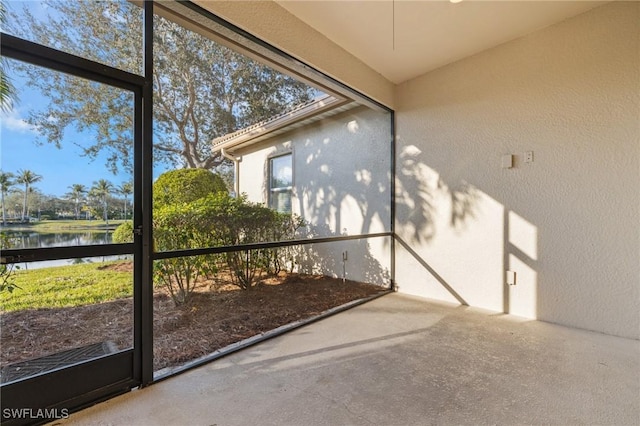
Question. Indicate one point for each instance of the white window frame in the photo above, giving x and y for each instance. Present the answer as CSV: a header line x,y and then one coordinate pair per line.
x,y
281,189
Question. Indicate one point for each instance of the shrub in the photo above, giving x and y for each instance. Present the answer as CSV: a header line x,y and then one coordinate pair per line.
x,y
285,227
179,275
6,271
123,233
185,186
228,221
177,226
192,209
220,220
183,226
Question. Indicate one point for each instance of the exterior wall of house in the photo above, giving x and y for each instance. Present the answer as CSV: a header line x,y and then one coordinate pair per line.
x,y
341,186
566,223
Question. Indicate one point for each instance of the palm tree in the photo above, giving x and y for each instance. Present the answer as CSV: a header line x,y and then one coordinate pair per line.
x,y
6,182
27,178
125,190
102,189
77,193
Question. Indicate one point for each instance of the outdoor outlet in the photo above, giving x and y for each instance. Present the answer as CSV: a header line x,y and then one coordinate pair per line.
x,y
344,256
511,278
528,157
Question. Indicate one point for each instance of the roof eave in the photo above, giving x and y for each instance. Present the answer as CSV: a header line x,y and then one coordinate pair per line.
x,y
247,137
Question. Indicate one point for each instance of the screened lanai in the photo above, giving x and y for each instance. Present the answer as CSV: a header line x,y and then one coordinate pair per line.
x,y
154,251
502,173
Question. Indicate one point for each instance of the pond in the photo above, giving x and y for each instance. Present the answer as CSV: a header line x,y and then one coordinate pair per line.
x,y
28,238
35,239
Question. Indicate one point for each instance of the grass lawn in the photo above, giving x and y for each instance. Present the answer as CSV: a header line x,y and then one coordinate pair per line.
x,y
67,286
68,225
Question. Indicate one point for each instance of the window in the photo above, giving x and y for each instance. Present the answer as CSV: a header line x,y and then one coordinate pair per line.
x,y
280,183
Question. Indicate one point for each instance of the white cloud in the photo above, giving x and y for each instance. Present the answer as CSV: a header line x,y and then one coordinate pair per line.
x,y
12,120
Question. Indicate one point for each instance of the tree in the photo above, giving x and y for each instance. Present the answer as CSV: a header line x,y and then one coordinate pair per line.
x,y
7,91
26,178
6,183
77,193
125,189
101,189
202,89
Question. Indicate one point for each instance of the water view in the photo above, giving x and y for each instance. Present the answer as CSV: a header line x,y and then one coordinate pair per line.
x,y
22,238
29,238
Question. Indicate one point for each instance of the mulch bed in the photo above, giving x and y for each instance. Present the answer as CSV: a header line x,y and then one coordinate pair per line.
x,y
217,315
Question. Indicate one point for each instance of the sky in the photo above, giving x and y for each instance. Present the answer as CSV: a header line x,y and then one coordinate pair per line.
x,y
23,147
59,167
19,142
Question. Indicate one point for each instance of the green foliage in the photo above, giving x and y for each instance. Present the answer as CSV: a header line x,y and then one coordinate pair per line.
x,y
185,186
123,233
192,209
100,191
178,223
179,275
6,182
235,221
254,223
7,284
7,90
220,220
70,225
285,227
202,89
183,226
77,192
26,178
66,286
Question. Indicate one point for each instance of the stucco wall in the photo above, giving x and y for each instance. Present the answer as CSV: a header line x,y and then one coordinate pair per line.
x,y
567,223
341,180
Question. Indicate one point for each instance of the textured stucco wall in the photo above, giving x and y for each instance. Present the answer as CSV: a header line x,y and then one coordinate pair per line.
x,y
341,179
568,223
275,25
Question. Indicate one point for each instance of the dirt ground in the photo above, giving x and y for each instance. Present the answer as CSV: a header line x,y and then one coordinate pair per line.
x,y
218,315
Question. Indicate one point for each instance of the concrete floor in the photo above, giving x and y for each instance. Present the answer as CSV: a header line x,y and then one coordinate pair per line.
x,y
401,360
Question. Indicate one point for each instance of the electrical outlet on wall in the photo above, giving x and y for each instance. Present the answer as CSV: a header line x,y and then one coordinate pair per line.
x,y
528,157
511,278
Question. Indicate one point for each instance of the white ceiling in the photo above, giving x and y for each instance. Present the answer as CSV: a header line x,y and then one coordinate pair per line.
x,y
403,39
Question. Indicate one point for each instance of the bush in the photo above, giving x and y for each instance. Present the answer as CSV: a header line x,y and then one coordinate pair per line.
x,y
6,271
192,209
221,220
123,233
179,275
235,221
185,186
285,227
175,227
